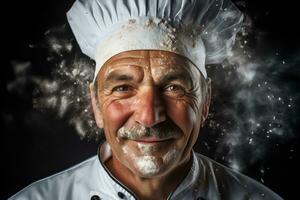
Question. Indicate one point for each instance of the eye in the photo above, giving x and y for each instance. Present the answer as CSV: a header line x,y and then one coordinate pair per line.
x,y
121,88
174,90
123,91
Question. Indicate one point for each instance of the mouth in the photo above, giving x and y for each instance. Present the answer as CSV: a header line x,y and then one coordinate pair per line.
x,y
152,140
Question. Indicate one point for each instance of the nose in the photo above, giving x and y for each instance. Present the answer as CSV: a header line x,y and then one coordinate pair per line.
x,y
150,109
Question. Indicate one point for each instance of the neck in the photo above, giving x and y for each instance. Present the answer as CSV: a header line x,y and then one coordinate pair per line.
x,y
150,188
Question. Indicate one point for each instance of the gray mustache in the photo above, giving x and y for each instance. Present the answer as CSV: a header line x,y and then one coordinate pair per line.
x,y
163,130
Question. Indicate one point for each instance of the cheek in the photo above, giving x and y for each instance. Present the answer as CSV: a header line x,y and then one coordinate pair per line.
x,y
183,115
115,114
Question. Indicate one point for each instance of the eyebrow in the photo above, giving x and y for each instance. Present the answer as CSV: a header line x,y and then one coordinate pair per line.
x,y
182,76
116,76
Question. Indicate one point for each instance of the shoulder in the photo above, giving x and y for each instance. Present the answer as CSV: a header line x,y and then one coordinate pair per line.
x,y
53,187
231,184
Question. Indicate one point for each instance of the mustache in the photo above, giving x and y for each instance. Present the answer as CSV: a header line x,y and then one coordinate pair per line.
x,y
163,130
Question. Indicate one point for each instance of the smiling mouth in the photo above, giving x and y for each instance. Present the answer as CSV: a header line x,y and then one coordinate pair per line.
x,y
152,140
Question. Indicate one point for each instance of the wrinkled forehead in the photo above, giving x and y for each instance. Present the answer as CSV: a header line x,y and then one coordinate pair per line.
x,y
148,54
159,62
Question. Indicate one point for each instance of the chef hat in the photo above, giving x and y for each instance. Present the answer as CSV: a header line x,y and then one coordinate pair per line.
x,y
201,30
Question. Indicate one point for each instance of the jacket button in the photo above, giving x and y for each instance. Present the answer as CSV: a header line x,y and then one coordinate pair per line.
x,y
121,195
95,197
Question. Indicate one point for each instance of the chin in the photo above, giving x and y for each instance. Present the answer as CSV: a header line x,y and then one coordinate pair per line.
x,y
149,166
150,160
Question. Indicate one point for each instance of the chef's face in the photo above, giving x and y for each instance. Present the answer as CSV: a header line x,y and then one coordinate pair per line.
x,y
151,105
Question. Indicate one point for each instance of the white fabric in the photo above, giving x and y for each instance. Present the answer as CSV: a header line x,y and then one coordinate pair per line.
x,y
104,28
206,180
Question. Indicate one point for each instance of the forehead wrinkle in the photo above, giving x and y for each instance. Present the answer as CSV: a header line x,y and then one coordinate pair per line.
x,y
166,68
172,71
119,74
169,63
115,76
134,54
122,66
125,61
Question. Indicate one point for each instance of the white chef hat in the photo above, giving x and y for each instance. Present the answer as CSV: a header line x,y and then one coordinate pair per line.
x,y
104,28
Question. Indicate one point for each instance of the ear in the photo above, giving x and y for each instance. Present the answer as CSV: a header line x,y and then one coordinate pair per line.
x,y
206,103
96,107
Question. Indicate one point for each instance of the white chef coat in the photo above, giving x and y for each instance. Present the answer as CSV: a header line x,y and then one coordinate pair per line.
x,y
91,180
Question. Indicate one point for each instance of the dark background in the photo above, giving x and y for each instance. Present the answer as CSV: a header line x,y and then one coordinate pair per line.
x,y
32,149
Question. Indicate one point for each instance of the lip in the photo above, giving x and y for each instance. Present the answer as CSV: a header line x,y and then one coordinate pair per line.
x,y
152,139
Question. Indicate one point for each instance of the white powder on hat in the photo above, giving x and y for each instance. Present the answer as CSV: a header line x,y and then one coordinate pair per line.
x,y
201,30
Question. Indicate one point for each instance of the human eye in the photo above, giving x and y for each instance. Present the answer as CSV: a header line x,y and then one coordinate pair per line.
x,y
123,90
174,90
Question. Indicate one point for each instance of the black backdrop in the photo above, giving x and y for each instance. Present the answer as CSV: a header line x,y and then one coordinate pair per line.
x,y
37,144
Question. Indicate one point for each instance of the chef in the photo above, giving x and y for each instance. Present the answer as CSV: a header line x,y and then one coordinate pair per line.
x,y
151,96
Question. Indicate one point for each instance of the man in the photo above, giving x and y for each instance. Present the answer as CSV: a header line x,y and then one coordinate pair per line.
x,y
151,95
